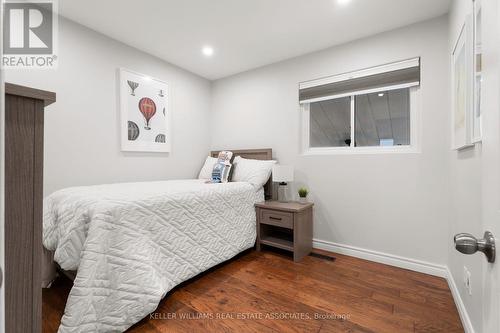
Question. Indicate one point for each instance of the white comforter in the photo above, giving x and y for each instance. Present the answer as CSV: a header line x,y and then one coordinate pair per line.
x,y
132,243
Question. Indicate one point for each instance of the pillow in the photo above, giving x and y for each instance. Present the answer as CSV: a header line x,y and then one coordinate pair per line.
x,y
221,169
206,171
255,172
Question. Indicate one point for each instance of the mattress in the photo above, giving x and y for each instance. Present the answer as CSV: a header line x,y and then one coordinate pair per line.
x,y
132,243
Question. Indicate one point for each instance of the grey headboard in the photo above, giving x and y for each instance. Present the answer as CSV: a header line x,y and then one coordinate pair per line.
x,y
253,154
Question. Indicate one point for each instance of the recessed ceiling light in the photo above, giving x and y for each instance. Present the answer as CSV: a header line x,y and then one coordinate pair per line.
x,y
207,51
381,95
343,2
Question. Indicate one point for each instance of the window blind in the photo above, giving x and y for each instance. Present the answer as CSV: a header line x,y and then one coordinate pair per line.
x,y
387,77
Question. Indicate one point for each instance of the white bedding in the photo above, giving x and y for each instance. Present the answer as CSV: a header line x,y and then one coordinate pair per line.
x,y
132,243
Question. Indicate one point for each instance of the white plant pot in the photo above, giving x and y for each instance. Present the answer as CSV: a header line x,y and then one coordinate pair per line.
x,y
303,200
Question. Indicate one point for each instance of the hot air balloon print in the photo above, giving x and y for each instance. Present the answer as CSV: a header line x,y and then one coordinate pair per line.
x,y
160,138
133,131
133,85
161,94
148,109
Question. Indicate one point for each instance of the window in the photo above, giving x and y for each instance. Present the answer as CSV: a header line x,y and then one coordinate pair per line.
x,y
330,123
383,119
368,111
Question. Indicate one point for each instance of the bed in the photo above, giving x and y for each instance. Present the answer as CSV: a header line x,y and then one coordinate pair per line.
x,y
132,243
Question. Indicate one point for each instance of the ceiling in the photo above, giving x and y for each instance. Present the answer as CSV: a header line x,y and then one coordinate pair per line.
x,y
245,34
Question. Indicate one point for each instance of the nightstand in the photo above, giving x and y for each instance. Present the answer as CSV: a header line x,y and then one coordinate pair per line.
x,y
285,225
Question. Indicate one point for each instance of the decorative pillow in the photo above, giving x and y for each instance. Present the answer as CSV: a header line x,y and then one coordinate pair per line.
x,y
206,171
221,169
255,172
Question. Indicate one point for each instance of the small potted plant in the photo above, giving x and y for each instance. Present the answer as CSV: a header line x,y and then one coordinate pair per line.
x,y
303,192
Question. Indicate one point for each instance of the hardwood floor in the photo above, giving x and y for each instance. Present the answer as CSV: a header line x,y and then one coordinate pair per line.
x,y
253,292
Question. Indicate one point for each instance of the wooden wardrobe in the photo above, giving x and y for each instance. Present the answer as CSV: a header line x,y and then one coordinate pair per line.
x,y
24,108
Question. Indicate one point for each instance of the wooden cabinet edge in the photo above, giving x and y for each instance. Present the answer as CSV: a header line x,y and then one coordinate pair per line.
x,y
47,97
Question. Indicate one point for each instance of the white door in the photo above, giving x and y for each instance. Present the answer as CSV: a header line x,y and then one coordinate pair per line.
x,y
491,159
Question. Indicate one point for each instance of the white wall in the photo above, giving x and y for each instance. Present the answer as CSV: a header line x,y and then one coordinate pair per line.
x,y
466,190
392,203
82,142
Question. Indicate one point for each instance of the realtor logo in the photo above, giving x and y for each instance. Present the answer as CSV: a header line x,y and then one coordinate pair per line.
x,y
29,31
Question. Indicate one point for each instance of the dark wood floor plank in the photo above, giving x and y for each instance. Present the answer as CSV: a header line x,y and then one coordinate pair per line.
x,y
419,312
316,293
372,298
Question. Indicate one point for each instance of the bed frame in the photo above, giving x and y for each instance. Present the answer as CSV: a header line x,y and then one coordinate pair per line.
x,y
253,154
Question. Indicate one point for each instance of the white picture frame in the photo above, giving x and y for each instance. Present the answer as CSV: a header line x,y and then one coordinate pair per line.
x,y
477,133
145,115
462,87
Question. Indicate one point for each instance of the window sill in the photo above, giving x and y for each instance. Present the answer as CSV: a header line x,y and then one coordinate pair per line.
x,y
360,151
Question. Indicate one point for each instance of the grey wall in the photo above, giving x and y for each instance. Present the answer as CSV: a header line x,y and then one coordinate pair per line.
x,y
82,141
392,203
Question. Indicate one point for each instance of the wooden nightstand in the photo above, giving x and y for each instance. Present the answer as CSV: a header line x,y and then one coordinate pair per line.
x,y
287,226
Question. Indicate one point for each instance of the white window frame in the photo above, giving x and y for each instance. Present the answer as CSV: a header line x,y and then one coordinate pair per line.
x,y
412,148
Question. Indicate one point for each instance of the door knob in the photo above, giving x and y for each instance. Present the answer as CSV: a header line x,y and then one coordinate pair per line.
x,y
468,244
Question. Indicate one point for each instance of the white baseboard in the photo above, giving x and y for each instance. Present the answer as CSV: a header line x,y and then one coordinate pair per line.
x,y
462,311
406,263
383,258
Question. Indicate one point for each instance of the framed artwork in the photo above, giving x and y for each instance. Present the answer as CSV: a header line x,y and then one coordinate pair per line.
x,y
144,113
462,87
477,77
